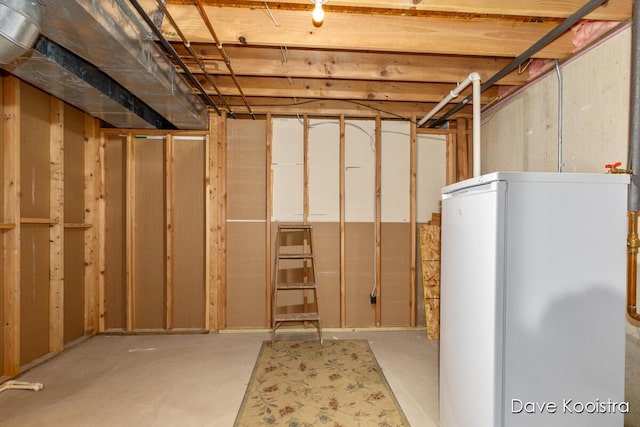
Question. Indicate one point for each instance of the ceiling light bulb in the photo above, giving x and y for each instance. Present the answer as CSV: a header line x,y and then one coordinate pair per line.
x,y
318,13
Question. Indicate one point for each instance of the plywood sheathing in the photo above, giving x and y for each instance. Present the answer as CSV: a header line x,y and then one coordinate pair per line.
x,y
430,255
188,310
35,179
74,284
396,296
148,249
246,224
114,312
76,227
359,274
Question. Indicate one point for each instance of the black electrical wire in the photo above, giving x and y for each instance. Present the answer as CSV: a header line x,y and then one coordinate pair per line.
x,y
167,46
544,41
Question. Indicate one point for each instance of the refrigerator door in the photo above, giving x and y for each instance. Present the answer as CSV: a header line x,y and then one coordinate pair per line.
x,y
471,306
565,302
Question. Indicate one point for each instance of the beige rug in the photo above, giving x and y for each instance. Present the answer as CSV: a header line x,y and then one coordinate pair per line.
x,y
303,383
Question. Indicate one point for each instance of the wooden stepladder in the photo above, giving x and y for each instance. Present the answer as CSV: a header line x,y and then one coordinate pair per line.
x,y
294,275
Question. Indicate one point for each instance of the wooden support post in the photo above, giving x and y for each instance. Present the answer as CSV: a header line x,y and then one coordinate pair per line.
x,y
222,222
463,159
90,248
56,230
451,159
268,211
169,158
305,205
211,226
305,169
100,230
343,276
412,221
129,230
11,245
378,221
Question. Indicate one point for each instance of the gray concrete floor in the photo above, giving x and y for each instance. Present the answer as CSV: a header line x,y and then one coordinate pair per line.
x,y
200,380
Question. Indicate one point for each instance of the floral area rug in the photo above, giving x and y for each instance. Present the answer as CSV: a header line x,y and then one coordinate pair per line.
x,y
304,383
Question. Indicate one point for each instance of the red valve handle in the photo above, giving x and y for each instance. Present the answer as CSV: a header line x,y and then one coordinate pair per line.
x,y
613,165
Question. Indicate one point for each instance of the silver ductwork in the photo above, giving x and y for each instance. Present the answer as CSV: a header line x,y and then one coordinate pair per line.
x,y
19,27
111,36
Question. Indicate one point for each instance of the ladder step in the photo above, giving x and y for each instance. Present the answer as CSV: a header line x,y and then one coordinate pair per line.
x,y
294,227
286,286
290,317
295,256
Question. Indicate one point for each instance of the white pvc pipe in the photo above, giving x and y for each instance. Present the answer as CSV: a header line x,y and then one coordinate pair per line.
x,y
475,79
476,123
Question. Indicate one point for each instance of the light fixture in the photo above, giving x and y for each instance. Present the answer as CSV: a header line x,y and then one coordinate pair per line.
x,y
318,14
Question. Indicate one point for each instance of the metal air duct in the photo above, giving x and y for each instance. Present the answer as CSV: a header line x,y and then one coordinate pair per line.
x,y
19,27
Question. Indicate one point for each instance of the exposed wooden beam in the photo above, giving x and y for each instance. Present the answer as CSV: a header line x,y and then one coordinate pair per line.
x,y
308,63
419,34
334,108
341,89
612,10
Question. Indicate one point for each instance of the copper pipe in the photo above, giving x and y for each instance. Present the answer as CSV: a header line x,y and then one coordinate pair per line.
x,y
194,55
225,57
633,243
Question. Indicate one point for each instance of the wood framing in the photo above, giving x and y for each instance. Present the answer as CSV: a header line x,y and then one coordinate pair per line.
x,y
343,274
100,231
11,245
210,225
463,157
378,221
305,206
129,240
169,229
56,230
222,222
413,167
268,211
91,248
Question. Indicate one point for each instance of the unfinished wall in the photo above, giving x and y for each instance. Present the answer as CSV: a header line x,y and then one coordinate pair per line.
x,y
307,186
148,251
246,282
74,224
42,308
189,235
521,134
155,238
115,316
34,239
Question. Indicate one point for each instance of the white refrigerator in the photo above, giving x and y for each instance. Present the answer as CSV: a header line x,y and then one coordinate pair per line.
x,y
533,288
